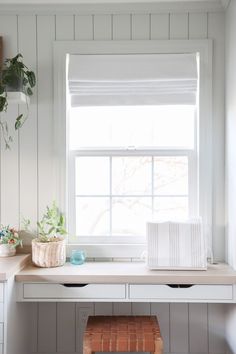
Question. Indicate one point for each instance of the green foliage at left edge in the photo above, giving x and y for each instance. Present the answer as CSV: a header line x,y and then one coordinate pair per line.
x,y
14,69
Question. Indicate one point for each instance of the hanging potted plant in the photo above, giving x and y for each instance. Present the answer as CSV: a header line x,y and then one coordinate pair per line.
x,y
14,76
48,249
9,240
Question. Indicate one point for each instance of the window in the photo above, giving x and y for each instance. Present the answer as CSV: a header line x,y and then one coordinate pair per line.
x,y
131,128
129,164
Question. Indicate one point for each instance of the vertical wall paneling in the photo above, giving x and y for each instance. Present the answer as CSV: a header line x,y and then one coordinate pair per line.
x,y
141,308
140,27
197,25
28,133
162,311
230,128
122,308
216,31
47,327
1,312
179,26
160,26
10,158
83,310
103,308
198,321
64,27
179,328
66,333
84,27
103,27
216,328
121,29
45,38
33,308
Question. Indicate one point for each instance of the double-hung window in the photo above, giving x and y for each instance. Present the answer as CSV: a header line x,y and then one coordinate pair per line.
x,y
132,144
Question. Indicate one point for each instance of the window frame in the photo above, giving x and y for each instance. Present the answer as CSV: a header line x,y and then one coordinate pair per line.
x,y
61,51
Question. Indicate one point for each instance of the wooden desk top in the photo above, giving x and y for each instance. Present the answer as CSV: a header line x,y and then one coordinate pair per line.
x,y
125,272
12,265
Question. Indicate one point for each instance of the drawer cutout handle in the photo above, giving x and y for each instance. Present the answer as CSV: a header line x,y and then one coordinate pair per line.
x,y
74,285
180,286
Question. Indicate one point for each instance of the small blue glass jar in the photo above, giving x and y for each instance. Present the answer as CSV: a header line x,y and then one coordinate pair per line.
x,y
77,257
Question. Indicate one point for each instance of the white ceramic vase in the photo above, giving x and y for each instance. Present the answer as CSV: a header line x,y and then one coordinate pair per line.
x,y
7,250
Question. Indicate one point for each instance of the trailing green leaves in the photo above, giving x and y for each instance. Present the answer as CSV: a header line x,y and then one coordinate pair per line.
x,y
15,76
19,122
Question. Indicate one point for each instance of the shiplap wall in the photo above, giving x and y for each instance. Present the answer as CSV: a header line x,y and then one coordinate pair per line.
x,y
26,170
185,328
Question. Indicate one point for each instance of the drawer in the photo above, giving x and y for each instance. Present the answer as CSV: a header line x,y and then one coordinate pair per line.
x,y
70,291
173,292
1,333
1,312
1,292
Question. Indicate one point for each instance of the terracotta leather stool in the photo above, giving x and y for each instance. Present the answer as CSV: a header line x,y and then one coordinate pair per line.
x,y
122,334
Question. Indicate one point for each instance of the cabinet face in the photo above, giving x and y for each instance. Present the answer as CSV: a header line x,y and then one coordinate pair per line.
x,y
202,293
1,317
87,291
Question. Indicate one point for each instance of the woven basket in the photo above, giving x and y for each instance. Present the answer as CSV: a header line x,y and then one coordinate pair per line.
x,y
49,254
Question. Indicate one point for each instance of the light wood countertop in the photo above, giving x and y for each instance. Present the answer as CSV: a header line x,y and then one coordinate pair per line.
x,y
125,272
12,265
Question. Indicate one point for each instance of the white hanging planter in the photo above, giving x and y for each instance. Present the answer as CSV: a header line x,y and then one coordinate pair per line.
x,y
7,250
17,97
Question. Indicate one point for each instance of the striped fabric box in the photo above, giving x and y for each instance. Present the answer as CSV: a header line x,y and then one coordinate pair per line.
x,y
176,245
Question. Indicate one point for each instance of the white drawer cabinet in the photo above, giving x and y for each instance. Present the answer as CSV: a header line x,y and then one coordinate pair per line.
x,y
1,317
76,291
186,293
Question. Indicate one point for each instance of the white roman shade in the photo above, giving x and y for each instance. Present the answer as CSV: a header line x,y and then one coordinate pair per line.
x,y
133,79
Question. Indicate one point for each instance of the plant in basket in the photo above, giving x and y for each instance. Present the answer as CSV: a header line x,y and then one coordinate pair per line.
x,y
9,240
48,248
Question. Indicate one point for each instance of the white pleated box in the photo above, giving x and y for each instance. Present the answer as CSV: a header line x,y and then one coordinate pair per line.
x,y
176,245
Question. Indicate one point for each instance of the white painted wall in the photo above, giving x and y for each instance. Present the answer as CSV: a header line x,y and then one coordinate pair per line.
x,y
26,171
230,112
230,115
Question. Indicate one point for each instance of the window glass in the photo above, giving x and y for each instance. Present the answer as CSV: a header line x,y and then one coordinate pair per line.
x,y
126,126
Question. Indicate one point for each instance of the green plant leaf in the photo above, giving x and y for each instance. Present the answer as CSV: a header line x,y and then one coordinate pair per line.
x,y
18,123
2,103
31,77
1,89
29,91
15,59
25,81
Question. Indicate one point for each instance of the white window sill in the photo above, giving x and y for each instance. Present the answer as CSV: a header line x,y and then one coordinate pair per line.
x,y
109,250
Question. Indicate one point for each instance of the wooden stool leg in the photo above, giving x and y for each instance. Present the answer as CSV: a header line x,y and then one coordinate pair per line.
x,y
86,346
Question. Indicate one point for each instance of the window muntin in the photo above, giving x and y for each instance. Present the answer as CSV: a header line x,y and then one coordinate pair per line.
x,y
159,190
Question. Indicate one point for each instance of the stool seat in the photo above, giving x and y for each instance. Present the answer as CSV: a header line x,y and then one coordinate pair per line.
x,y
122,334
